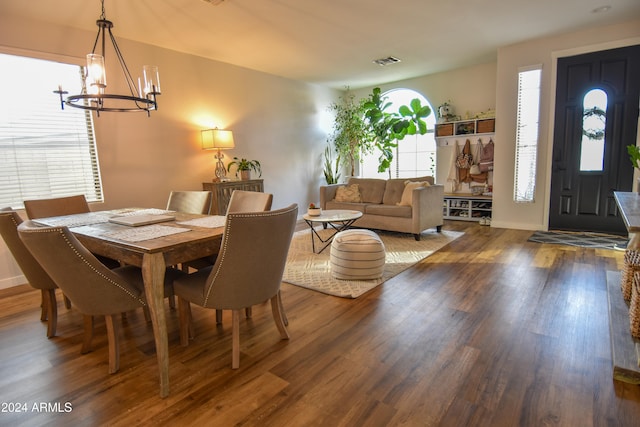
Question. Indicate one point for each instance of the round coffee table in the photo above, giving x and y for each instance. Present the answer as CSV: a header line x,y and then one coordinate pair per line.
x,y
338,219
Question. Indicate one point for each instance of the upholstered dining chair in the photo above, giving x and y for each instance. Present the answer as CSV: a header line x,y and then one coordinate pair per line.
x,y
94,289
249,201
196,202
59,206
247,271
34,273
240,201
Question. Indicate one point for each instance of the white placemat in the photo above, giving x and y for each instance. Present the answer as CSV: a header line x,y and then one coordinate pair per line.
x,y
213,221
147,232
76,220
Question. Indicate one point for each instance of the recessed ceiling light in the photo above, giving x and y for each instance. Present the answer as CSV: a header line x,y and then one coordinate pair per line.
x,y
386,61
601,9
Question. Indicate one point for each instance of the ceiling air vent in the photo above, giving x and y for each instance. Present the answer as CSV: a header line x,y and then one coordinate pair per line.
x,y
386,61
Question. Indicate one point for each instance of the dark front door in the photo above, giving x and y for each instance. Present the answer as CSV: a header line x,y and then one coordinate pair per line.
x,y
596,117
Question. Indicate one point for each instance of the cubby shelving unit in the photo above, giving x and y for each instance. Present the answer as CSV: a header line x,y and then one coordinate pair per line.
x,y
448,132
467,207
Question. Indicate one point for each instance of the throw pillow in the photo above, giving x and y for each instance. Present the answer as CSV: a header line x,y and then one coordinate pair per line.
x,y
349,194
407,194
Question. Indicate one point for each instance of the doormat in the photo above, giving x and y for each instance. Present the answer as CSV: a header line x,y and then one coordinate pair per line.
x,y
582,239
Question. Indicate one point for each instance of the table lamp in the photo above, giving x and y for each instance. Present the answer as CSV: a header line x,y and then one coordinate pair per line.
x,y
218,139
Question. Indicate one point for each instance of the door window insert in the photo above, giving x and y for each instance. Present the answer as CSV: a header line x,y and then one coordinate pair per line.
x,y
593,131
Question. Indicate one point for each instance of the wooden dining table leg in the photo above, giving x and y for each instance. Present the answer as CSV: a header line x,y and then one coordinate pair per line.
x,y
153,269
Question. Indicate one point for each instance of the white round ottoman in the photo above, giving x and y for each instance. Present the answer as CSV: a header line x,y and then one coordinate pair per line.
x,y
357,255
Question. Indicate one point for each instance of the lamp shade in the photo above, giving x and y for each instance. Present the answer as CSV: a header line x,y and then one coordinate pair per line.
x,y
213,139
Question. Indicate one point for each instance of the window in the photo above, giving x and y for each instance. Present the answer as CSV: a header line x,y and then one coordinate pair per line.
x,y
593,126
415,154
44,151
527,134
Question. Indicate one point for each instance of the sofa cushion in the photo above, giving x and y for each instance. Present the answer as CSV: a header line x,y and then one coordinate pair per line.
x,y
388,210
407,194
332,205
393,191
371,189
348,193
427,178
395,188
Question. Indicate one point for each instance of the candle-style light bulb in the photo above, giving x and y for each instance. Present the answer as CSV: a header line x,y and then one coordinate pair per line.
x,y
151,80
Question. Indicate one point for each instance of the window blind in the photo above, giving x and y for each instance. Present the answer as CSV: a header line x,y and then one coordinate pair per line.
x,y
528,114
45,152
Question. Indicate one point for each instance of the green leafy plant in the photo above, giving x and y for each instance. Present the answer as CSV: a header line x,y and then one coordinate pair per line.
x,y
368,124
387,128
350,135
245,165
634,155
331,175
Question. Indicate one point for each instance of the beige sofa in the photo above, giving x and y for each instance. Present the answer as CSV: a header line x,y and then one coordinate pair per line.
x,y
380,200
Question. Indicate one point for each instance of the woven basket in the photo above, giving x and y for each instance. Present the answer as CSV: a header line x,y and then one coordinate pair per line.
x,y
634,307
631,265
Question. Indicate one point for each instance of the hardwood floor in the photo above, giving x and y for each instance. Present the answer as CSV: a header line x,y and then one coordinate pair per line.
x,y
492,330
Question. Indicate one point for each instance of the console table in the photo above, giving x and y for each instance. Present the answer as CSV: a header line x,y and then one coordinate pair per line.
x,y
624,348
221,192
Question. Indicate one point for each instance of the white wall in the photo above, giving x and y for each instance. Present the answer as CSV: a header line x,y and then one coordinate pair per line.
x,y
282,123
534,216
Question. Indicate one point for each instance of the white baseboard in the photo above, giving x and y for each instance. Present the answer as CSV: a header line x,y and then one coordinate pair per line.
x,y
10,282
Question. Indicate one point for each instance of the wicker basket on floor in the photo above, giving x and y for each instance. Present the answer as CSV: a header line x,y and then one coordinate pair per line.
x,y
631,265
634,307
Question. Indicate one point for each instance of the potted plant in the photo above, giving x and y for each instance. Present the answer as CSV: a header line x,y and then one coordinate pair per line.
x,y
634,156
331,175
245,167
350,136
314,210
387,128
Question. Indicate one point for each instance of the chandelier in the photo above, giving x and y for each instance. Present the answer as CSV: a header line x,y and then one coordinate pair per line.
x,y
93,97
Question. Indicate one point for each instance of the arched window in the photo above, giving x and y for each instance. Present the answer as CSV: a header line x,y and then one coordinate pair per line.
x,y
415,154
593,126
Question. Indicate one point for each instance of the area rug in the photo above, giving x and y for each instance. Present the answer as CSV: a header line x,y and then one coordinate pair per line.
x,y
582,239
312,271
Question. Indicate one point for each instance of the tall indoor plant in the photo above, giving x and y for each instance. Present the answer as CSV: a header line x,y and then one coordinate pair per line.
x,y
386,128
350,135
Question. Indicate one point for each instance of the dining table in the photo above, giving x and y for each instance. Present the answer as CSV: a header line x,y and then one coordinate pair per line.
x,y
181,238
